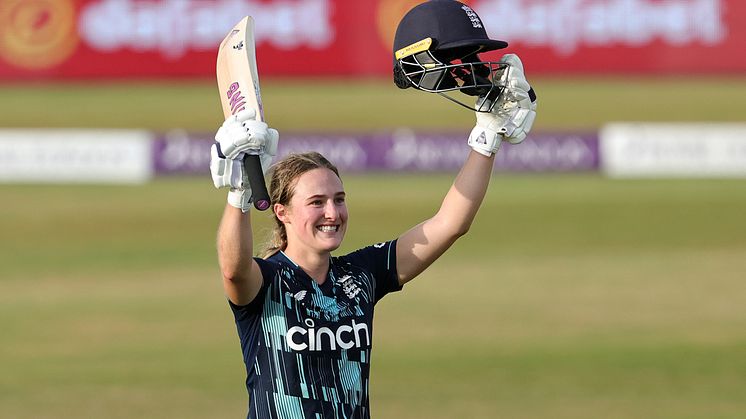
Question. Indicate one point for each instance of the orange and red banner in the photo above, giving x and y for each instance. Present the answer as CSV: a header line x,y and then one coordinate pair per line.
x,y
123,39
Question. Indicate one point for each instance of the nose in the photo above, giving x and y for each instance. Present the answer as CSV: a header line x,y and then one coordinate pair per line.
x,y
330,211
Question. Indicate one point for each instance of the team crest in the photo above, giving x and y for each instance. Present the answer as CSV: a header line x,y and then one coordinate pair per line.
x,y
349,287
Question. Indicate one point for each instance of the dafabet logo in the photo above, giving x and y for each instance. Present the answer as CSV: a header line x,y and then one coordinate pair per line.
x,y
37,34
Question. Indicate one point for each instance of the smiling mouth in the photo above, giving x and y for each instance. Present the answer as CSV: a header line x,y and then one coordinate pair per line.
x,y
328,228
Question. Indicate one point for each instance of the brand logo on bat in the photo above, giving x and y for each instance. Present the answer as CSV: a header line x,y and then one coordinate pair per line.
x,y
258,96
237,100
229,37
239,46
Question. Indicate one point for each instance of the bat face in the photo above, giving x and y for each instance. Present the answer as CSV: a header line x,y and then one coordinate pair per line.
x,y
238,79
238,83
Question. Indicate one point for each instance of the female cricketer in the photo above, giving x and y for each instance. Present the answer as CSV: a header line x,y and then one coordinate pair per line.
x,y
305,317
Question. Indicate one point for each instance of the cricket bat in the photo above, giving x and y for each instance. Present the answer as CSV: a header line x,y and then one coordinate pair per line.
x,y
238,82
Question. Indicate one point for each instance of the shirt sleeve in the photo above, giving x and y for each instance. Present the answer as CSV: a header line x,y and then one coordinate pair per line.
x,y
380,260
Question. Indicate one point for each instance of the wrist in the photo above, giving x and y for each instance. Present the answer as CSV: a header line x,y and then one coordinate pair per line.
x,y
240,198
484,141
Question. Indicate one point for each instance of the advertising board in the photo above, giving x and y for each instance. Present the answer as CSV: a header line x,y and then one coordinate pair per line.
x,y
115,39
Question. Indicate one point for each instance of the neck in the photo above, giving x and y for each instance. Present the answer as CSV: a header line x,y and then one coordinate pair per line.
x,y
314,264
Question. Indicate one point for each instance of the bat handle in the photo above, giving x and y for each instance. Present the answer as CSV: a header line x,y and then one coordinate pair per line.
x,y
259,195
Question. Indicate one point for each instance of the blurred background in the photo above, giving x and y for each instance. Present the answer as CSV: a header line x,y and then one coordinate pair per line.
x,y
603,277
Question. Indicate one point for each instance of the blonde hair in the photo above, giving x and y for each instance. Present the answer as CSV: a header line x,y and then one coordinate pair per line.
x,y
284,175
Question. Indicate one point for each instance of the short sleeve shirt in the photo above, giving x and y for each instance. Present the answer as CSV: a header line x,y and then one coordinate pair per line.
x,y
307,346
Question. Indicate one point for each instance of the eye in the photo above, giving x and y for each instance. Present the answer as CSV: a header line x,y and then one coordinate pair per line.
x,y
317,202
339,200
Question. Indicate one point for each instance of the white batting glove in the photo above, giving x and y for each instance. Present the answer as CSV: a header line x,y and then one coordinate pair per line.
x,y
512,116
242,133
239,135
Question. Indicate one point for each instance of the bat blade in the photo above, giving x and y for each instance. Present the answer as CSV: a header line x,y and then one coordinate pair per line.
x,y
238,83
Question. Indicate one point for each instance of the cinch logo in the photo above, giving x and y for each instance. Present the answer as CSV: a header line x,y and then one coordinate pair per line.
x,y
345,337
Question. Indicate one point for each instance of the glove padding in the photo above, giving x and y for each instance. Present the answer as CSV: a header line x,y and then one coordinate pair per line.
x,y
511,117
239,135
242,133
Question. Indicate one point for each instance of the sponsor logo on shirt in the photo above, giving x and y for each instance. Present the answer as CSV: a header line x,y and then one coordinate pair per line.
x,y
354,335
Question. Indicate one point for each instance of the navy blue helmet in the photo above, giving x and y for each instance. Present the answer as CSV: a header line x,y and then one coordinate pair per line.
x,y
435,50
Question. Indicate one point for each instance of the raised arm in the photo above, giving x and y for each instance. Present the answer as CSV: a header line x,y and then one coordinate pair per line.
x,y
240,134
510,119
242,277
424,243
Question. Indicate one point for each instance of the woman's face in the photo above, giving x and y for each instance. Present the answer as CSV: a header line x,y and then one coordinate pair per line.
x,y
316,218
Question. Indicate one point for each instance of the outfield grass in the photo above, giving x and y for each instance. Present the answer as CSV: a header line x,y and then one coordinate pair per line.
x,y
572,297
343,105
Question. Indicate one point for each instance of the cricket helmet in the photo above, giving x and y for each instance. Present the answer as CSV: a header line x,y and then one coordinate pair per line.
x,y
435,50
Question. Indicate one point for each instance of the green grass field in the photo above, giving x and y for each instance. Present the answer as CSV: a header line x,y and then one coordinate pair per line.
x,y
573,296
581,103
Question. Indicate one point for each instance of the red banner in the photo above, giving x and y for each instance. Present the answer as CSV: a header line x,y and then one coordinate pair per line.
x,y
64,39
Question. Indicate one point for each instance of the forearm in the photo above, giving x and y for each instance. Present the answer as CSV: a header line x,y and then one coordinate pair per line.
x,y
510,119
235,244
465,196
423,244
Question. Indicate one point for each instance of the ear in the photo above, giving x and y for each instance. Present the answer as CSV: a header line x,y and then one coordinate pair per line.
x,y
281,212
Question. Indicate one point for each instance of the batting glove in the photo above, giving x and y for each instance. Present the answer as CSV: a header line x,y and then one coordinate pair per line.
x,y
239,135
511,117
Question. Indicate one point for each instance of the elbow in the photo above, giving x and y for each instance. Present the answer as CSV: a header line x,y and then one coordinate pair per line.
x,y
233,267
451,229
460,230
231,273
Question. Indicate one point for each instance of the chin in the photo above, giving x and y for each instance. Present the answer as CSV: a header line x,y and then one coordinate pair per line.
x,y
332,244
331,248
